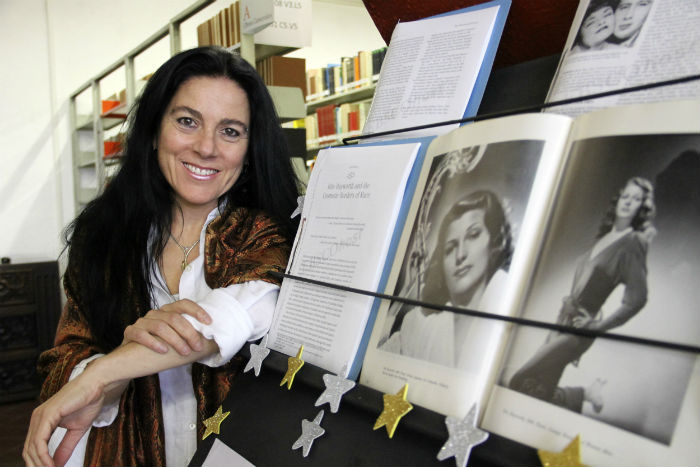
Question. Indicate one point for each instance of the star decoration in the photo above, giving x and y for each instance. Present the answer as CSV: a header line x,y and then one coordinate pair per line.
x,y
258,352
336,386
294,364
213,423
463,435
300,207
569,457
395,407
309,432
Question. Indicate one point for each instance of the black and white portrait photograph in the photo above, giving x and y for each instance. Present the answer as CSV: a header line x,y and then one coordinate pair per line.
x,y
611,24
459,253
622,255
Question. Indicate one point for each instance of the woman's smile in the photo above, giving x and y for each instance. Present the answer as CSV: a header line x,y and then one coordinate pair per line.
x,y
200,173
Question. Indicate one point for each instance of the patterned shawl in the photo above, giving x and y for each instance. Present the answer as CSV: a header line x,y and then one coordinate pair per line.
x,y
241,245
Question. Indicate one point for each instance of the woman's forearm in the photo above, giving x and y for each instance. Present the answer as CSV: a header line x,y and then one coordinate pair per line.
x,y
133,360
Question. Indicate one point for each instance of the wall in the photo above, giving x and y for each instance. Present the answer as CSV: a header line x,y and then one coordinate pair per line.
x,y
29,188
57,46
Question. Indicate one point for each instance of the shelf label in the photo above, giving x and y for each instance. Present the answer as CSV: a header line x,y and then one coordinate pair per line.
x,y
256,15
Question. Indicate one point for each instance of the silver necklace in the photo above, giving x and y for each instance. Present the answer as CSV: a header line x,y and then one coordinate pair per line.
x,y
185,250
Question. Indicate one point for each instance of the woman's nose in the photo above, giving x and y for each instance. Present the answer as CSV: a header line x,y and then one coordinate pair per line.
x,y
461,252
205,143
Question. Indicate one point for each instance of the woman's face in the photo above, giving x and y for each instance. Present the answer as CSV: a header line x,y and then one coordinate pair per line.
x,y
466,255
598,26
630,201
203,140
629,17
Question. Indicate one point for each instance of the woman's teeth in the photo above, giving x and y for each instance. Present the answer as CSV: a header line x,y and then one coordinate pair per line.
x,y
199,171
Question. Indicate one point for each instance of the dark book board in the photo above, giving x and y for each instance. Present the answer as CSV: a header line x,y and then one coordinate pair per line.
x,y
533,29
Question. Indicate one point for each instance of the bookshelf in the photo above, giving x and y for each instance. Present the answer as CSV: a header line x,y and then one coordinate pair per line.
x,y
92,164
346,91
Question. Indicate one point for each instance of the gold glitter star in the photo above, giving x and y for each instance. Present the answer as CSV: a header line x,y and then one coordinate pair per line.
x,y
569,457
294,364
395,407
213,423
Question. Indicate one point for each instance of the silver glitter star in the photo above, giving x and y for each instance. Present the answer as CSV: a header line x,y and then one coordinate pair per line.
x,y
309,432
336,386
258,352
300,207
463,436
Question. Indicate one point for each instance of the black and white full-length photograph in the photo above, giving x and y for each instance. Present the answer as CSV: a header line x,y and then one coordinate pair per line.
x,y
611,24
460,249
622,255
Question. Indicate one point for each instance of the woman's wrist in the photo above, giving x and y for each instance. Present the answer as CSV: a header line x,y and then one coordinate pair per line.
x,y
106,372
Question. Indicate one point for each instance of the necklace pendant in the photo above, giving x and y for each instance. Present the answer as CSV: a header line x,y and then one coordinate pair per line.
x,y
184,264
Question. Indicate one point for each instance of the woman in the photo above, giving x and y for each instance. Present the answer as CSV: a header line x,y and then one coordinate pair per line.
x,y
630,16
466,270
190,228
597,27
617,257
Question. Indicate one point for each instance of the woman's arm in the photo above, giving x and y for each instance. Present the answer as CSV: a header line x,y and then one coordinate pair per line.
x,y
79,402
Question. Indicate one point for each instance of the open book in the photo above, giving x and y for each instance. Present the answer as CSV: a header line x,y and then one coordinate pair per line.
x,y
624,43
436,69
548,218
512,216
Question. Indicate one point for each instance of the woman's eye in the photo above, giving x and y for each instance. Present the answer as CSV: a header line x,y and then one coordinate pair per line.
x,y
186,122
231,132
449,248
473,234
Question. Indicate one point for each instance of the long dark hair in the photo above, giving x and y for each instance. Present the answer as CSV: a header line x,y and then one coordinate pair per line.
x,y
115,241
644,215
500,241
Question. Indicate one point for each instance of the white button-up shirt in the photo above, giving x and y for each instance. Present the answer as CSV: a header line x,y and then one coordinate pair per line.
x,y
240,313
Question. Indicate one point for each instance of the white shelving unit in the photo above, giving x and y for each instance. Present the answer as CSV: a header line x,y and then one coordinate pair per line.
x,y
90,168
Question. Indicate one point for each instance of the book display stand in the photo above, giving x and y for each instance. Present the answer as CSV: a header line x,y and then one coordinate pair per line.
x,y
265,421
265,417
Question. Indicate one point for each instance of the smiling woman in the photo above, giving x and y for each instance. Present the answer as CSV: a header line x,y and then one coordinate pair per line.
x,y
597,27
169,270
203,140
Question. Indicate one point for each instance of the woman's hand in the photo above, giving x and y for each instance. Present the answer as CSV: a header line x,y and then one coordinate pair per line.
x,y
583,319
74,407
166,327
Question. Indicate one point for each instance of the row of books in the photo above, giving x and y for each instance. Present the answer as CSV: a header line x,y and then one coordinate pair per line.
x,y
278,70
222,28
331,123
351,73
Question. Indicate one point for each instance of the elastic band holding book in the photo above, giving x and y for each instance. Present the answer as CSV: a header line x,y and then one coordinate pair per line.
x,y
530,108
511,319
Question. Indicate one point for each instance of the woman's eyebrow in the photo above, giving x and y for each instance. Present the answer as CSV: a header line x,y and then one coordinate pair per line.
x,y
196,114
189,110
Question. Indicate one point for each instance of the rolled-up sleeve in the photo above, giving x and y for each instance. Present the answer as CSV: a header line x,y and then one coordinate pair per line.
x,y
239,313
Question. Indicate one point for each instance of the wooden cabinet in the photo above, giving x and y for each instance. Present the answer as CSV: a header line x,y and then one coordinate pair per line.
x,y
30,305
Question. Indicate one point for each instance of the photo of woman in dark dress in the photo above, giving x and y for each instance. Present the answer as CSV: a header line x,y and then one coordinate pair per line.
x,y
617,257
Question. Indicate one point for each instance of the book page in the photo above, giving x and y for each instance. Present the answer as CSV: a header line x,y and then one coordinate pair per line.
x,y
621,255
430,70
467,242
350,209
623,43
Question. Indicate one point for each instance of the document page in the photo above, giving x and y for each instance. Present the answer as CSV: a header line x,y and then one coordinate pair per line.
x,y
348,219
430,70
614,45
